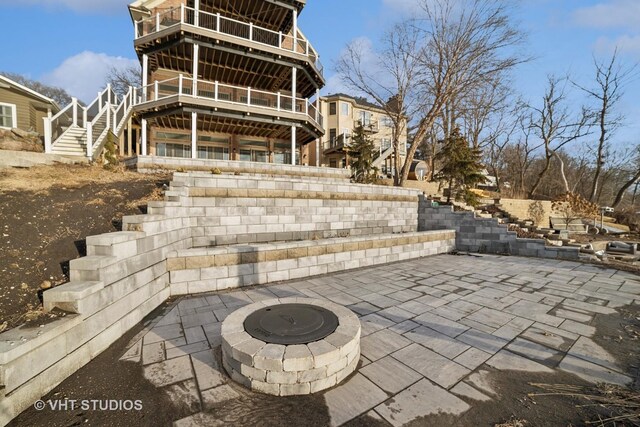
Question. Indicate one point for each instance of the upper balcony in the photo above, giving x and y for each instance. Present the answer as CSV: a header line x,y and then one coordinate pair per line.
x,y
369,126
214,25
241,100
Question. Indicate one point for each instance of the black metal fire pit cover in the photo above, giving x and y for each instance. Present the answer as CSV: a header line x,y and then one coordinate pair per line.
x,y
291,324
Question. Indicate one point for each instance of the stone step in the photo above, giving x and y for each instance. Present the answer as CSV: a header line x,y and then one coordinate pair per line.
x,y
214,269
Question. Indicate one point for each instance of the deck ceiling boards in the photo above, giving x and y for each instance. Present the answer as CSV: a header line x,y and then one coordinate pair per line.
x,y
266,14
231,68
225,125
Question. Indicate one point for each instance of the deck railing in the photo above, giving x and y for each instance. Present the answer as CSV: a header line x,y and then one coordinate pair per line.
x,y
221,24
220,92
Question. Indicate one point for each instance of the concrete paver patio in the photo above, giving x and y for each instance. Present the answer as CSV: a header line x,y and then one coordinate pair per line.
x,y
429,329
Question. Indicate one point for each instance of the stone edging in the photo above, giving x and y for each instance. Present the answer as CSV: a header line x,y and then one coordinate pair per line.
x,y
287,370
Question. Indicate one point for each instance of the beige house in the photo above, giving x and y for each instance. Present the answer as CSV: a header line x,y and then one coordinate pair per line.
x,y
23,108
342,114
226,80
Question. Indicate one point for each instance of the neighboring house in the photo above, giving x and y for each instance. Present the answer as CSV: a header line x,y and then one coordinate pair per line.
x,y
342,114
227,80
23,108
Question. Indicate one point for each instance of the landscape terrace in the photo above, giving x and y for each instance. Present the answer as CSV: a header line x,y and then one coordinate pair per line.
x,y
261,254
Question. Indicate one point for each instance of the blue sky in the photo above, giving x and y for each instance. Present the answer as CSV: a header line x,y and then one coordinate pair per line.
x,y
70,43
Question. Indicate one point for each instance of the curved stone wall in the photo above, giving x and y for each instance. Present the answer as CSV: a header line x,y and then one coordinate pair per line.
x,y
287,370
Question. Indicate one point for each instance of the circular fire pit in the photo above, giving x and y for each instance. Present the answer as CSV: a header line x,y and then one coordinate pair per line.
x,y
290,346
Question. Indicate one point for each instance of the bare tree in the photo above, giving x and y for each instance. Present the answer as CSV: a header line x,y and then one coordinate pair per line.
x,y
389,80
611,80
633,177
555,126
520,156
59,95
121,79
426,62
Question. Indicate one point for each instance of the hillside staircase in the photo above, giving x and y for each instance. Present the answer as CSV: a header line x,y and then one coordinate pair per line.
x,y
78,131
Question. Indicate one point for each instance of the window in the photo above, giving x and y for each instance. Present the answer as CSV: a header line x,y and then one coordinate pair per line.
x,y
346,132
365,118
385,144
173,150
8,116
344,109
332,109
282,153
213,153
254,151
332,135
386,121
212,147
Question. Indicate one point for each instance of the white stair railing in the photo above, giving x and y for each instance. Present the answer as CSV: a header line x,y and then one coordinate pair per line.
x,y
103,114
383,156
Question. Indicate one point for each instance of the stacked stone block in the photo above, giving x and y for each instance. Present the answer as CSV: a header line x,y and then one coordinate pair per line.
x,y
225,267
286,370
154,164
486,235
231,209
128,274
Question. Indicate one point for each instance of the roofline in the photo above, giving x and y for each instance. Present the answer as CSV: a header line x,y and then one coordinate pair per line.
x,y
342,96
30,91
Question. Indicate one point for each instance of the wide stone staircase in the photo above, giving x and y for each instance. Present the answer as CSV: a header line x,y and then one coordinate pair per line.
x,y
212,232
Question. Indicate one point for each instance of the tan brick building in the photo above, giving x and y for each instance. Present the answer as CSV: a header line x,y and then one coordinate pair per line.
x,y
342,114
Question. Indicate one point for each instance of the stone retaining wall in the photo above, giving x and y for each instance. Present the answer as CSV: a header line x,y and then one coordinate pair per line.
x,y
156,163
124,275
486,235
214,269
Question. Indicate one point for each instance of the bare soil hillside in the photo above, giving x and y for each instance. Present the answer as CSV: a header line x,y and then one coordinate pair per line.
x,y
45,215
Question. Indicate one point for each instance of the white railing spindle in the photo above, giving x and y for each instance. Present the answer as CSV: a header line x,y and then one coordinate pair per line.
x,y
74,102
89,140
248,96
157,22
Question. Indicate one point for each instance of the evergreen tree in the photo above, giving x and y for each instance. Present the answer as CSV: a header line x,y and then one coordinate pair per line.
x,y
361,151
461,166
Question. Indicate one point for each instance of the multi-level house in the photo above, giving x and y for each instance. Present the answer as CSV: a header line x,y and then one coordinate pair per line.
x,y
342,114
226,79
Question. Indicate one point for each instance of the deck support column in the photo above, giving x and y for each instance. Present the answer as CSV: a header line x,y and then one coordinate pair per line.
x,y
294,87
293,144
295,30
130,137
194,135
194,73
145,76
144,137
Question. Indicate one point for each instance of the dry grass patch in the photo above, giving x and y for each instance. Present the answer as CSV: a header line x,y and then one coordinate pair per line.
x,y
41,179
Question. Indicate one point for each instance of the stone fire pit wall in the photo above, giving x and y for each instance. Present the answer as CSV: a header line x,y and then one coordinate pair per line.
x,y
286,370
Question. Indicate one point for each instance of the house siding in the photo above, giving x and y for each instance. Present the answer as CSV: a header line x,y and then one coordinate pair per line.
x,y
30,116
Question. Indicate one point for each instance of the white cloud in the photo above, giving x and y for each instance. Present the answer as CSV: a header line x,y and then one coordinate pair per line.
x,y
84,6
335,85
610,14
625,44
85,74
